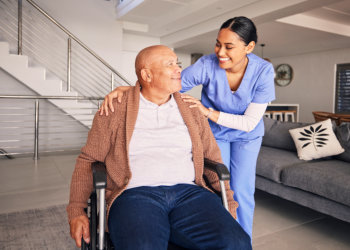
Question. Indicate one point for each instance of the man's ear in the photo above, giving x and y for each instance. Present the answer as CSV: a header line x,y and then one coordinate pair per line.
x,y
146,75
250,47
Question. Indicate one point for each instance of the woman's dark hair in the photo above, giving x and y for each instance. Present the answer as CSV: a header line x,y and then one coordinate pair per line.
x,y
242,26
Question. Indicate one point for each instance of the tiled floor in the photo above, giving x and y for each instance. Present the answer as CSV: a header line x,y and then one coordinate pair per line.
x,y
278,224
25,184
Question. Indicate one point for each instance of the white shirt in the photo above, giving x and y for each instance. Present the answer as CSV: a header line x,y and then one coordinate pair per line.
x,y
160,150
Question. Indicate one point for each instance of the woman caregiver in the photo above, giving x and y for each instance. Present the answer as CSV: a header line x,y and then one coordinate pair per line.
x,y
237,86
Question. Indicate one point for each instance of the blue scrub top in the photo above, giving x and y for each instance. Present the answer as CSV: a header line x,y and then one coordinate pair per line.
x,y
257,86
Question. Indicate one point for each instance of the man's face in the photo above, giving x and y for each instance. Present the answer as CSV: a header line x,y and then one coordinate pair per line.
x,y
166,74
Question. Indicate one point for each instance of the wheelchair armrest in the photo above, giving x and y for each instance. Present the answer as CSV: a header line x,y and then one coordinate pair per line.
x,y
219,168
99,175
100,183
223,175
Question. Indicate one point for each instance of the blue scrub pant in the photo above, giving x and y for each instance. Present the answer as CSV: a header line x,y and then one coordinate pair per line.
x,y
187,215
240,158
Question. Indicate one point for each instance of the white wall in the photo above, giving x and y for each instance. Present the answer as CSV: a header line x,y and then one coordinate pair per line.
x,y
132,44
185,60
94,23
91,23
313,86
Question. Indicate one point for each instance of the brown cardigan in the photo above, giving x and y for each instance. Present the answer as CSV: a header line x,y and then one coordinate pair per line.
x,y
108,142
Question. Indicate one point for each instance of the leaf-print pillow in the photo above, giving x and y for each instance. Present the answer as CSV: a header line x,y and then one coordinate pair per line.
x,y
316,141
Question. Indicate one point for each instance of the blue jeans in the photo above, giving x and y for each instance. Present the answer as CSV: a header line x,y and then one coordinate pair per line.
x,y
240,157
187,215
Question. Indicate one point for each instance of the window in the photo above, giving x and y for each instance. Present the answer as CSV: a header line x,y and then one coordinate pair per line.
x,y
342,94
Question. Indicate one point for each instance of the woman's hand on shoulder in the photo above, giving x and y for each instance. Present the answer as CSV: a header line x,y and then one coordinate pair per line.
x,y
195,103
107,103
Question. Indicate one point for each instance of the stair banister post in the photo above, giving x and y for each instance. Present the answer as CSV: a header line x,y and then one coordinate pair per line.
x,y
69,62
36,130
19,28
112,81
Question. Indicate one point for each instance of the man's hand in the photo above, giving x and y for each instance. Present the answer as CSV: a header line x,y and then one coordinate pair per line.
x,y
79,227
108,101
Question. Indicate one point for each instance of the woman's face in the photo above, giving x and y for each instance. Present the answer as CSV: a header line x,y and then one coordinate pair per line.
x,y
230,50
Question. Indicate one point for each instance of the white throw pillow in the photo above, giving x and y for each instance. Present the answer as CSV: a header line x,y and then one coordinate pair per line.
x,y
316,141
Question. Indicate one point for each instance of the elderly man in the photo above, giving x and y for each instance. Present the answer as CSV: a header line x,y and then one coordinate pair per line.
x,y
153,146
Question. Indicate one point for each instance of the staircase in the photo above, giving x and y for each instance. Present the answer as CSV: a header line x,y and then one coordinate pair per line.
x,y
35,79
64,65
44,56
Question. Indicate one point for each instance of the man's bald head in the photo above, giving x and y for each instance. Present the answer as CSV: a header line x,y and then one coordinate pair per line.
x,y
158,73
146,57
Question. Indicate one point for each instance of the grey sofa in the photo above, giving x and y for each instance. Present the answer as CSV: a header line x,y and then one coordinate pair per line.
x,y
322,185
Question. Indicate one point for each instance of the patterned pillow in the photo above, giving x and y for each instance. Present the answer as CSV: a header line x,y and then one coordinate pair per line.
x,y
316,141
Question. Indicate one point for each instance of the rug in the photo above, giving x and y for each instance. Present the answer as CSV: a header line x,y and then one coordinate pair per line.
x,y
36,229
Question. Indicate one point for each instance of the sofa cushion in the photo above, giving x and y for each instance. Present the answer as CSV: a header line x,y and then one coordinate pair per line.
x,y
327,178
316,141
343,134
277,134
268,123
271,161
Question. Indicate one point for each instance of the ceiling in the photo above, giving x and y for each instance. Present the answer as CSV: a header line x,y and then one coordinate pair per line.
x,y
286,27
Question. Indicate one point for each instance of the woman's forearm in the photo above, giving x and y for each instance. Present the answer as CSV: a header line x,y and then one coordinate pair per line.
x,y
246,122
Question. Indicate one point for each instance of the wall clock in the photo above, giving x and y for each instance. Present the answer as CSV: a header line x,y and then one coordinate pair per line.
x,y
284,75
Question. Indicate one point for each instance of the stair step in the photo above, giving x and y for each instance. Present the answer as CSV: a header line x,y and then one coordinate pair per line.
x,y
73,104
58,87
34,77
83,118
65,93
4,48
15,61
46,89
37,72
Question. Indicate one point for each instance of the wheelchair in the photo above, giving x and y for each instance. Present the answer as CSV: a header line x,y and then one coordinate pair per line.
x,y
96,209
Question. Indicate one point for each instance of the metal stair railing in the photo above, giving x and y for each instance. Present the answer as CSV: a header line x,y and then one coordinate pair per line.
x,y
45,41
27,126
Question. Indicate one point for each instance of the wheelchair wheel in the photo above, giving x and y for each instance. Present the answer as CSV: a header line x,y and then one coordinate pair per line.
x,y
108,242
